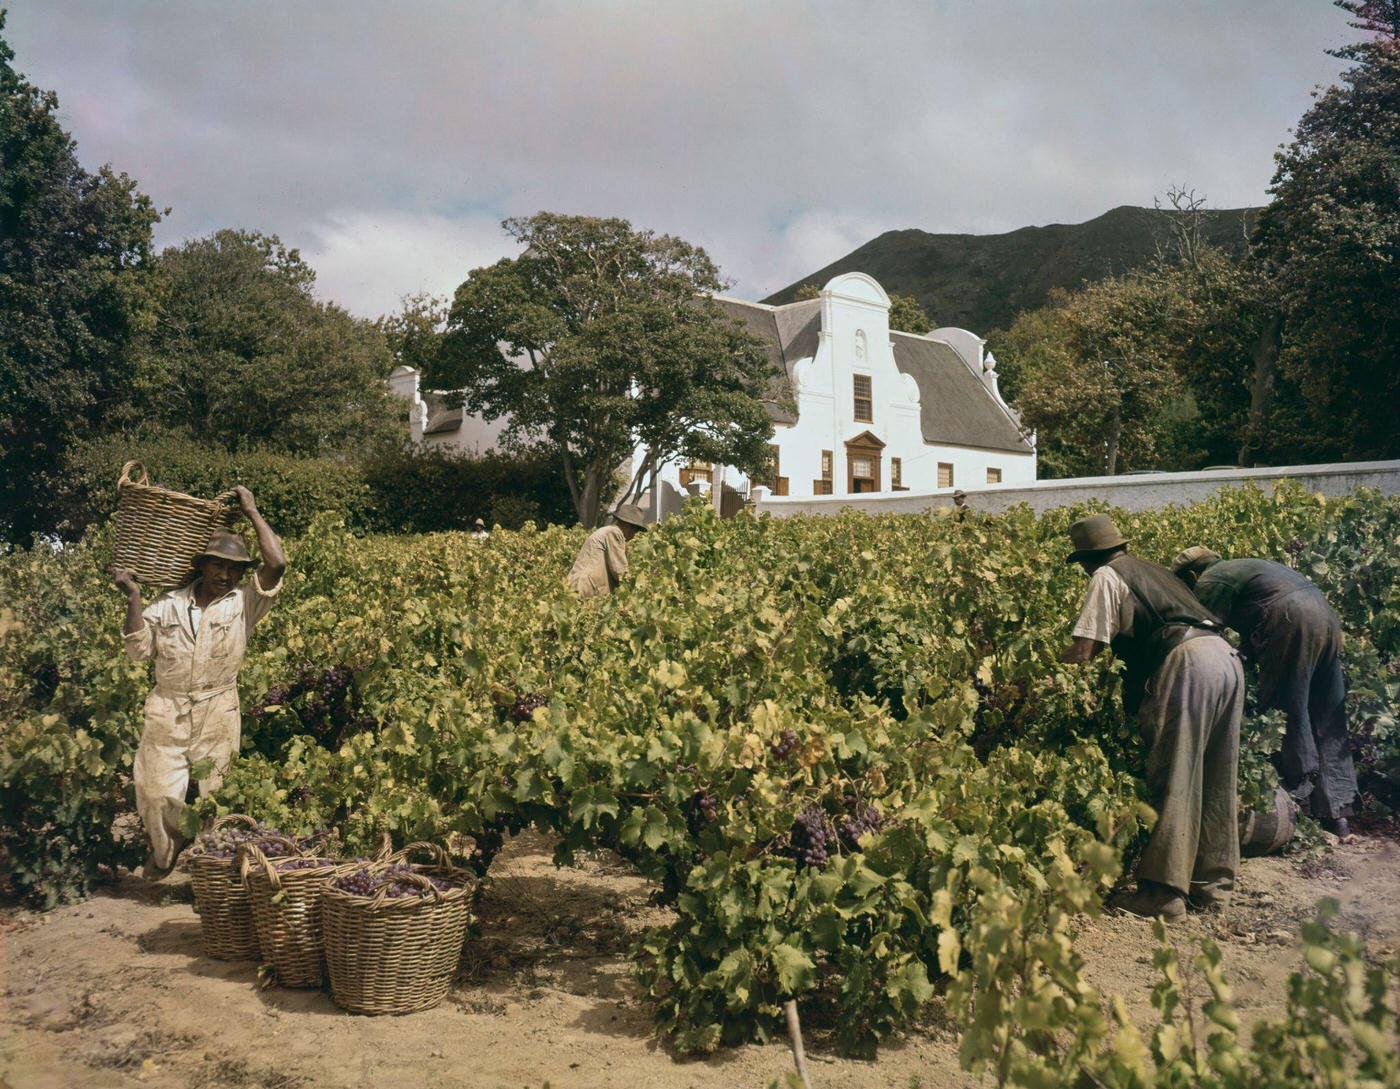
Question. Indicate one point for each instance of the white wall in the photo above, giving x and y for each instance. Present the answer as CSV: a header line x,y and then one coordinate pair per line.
x,y
473,435
1141,492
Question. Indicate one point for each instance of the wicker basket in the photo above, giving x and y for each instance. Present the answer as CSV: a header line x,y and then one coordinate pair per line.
x,y
221,901
396,955
286,906
160,532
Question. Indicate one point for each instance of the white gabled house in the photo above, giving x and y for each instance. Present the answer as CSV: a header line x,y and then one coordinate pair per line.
x,y
876,410
869,409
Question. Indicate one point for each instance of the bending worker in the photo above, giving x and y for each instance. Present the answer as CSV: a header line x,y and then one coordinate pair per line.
x,y
602,561
1185,685
197,635
1287,627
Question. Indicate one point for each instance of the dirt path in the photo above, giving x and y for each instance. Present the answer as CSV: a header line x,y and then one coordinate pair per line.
x,y
115,993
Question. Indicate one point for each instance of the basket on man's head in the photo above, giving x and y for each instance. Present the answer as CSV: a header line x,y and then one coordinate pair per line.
x,y
161,533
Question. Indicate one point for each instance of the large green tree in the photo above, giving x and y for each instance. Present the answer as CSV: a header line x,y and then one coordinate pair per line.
x,y
74,295
599,337
1332,237
245,355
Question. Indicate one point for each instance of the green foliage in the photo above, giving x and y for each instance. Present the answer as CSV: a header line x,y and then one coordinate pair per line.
x,y
610,340
244,354
912,662
391,489
75,293
414,334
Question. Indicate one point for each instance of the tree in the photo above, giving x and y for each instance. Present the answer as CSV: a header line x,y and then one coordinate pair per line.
x,y
414,334
74,294
1093,374
598,338
907,314
1331,236
244,355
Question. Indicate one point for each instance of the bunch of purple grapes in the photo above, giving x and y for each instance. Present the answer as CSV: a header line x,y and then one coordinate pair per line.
x,y
812,839
784,746
325,703
370,880
861,817
706,806
1295,547
984,692
224,842
302,864
523,709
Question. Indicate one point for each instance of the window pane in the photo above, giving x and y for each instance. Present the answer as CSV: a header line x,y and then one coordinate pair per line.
x,y
896,472
863,398
826,464
945,474
993,476
860,467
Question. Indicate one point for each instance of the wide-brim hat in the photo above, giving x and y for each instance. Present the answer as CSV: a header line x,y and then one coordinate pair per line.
x,y
1093,535
226,546
632,514
1195,556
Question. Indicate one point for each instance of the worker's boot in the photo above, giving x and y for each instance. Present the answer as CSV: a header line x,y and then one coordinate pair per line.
x,y
1337,826
1151,900
152,871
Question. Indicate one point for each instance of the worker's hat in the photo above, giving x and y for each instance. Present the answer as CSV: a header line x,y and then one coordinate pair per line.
x,y
1092,535
226,546
631,514
1197,556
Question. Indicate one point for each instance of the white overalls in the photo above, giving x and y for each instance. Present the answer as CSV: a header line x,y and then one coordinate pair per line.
x,y
192,713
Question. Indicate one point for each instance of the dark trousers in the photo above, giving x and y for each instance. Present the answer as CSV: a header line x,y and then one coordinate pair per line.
x,y
1298,646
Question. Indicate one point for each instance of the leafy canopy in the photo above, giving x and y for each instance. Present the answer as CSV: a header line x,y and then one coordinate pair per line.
x,y
598,338
74,294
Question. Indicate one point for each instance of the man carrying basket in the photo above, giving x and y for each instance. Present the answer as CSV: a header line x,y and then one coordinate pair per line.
x,y
197,635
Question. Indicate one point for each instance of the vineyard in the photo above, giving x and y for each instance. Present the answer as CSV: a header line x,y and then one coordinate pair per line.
x,y
841,752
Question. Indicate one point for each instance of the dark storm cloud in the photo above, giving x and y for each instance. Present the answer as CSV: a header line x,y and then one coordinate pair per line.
x,y
388,140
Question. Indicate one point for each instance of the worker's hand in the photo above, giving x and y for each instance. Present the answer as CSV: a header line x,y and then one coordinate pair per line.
x,y
245,501
125,580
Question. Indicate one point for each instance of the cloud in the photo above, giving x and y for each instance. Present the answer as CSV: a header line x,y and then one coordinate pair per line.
x,y
388,140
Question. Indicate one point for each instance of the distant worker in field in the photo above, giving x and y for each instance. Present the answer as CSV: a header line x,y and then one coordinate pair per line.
x,y
960,505
1185,685
479,530
197,635
602,561
1289,630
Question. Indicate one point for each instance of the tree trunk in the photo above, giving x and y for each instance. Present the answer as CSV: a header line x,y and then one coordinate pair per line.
x,y
1264,356
588,503
1115,435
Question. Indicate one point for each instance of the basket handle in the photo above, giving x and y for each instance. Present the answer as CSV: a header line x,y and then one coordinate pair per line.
x,y
440,857
407,879
231,818
125,478
249,855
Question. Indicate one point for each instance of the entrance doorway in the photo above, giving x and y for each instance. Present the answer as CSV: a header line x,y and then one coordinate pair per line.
x,y
863,454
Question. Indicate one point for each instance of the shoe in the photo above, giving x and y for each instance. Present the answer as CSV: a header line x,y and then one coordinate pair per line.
x,y
152,872
1207,903
1337,826
1151,901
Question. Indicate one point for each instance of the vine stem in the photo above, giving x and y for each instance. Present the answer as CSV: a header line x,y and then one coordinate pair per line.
x,y
794,1027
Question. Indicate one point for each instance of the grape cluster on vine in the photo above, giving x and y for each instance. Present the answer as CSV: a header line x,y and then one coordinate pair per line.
x,y
523,709
784,745
860,817
812,838
325,703
370,880
1295,548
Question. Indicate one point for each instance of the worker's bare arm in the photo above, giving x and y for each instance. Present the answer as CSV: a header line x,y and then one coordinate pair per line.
x,y
1081,650
126,582
269,544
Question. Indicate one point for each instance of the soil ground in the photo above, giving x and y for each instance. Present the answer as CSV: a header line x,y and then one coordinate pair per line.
x,y
115,993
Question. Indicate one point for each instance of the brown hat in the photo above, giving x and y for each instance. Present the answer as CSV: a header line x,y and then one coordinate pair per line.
x,y
1197,556
1092,535
225,546
631,514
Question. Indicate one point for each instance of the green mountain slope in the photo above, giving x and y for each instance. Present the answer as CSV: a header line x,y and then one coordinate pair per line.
x,y
981,282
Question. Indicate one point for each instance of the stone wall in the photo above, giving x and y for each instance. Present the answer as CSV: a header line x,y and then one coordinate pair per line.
x,y
1140,492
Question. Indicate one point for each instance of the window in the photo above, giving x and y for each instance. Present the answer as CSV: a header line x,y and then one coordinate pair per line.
x,y
777,481
864,473
863,401
897,474
697,470
993,476
945,474
823,486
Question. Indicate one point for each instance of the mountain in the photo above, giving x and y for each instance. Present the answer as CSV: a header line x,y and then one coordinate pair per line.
x,y
982,281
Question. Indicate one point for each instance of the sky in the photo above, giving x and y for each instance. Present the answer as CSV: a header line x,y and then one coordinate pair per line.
x,y
388,140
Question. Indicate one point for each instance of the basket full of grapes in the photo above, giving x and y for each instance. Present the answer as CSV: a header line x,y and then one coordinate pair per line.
x,y
285,897
394,932
220,897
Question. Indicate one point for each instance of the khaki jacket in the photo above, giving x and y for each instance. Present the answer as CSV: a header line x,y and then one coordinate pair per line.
x,y
601,563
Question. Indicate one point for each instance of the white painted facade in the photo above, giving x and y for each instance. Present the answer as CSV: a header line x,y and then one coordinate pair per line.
x,y
854,339
433,424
